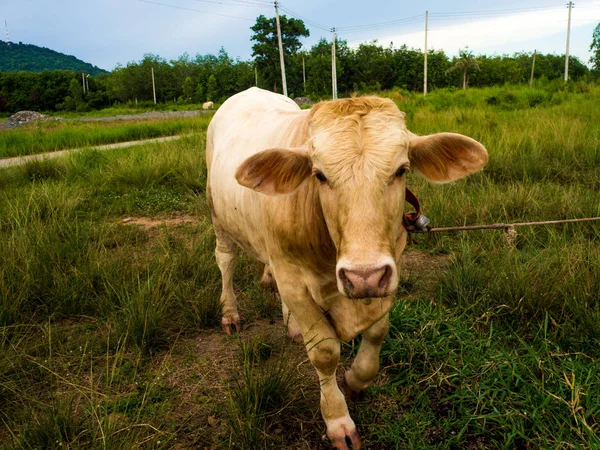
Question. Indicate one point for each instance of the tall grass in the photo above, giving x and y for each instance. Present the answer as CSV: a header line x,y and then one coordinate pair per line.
x,y
52,136
106,328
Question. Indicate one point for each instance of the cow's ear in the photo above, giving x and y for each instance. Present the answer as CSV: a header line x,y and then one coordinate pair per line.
x,y
275,171
446,157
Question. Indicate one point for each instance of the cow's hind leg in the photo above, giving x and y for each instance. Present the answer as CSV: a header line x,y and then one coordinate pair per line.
x,y
226,253
366,364
267,279
293,329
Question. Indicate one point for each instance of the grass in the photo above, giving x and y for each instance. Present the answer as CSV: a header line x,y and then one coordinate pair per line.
x,y
52,136
110,335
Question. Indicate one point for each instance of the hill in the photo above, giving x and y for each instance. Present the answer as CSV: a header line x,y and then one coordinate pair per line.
x,y
31,58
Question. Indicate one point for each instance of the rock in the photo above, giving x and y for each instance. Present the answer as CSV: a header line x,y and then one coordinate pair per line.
x,y
301,101
24,118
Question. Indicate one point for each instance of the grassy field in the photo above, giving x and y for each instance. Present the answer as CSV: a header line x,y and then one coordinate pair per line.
x,y
109,318
51,136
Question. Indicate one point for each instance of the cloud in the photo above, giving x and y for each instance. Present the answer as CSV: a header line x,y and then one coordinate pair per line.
x,y
497,33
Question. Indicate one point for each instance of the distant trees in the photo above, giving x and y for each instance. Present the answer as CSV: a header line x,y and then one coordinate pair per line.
x,y
595,49
464,64
367,68
31,58
266,48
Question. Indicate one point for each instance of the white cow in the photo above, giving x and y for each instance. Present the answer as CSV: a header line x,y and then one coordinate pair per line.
x,y
208,105
318,197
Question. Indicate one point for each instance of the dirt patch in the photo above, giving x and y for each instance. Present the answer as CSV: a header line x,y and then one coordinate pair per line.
x,y
148,223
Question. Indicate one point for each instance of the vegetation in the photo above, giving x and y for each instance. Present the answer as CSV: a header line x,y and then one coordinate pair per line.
x,y
51,136
266,48
110,334
189,80
31,58
595,49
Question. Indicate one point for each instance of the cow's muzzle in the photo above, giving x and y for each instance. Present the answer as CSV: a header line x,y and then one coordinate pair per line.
x,y
364,281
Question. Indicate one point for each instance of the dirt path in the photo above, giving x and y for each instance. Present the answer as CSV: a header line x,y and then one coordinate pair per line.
x,y
146,115
19,160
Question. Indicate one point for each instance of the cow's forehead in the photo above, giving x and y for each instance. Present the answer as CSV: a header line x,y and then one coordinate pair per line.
x,y
356,135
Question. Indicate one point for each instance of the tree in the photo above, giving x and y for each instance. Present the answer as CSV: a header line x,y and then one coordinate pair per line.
x,y
595,49
266,49
465,64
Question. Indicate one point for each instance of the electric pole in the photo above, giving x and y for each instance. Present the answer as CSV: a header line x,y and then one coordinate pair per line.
x,y
333,66
153,86
303,72
7,34
532,69
281,62
255,75
425,54
568,39
83,81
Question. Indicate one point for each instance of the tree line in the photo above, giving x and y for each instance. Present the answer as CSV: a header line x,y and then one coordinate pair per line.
x,y
367,68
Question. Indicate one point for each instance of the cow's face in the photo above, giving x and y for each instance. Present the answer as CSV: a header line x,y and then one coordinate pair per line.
x,y
357,156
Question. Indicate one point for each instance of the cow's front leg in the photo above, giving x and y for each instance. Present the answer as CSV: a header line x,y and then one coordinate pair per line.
x,y
365,367
323,347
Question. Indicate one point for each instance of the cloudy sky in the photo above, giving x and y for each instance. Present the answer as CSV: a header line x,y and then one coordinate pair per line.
x,y
111,32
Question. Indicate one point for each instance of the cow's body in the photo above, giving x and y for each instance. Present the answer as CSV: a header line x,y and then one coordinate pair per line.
x,y
327,239
207,105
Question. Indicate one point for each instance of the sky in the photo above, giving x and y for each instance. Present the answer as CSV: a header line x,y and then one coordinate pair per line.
x,y
111,32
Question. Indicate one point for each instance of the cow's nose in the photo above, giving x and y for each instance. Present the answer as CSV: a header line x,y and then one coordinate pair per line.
x,y
366,282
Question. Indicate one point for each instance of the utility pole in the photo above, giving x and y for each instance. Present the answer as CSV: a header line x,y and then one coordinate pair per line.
x,y
153,86
87,83
425,55
303,73
83,81
7,34
255,75
568,39
281,61
333,66
532,69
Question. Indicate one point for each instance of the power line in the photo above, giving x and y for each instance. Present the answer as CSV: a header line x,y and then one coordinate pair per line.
x,y
259,5
390,23
196,10
492,12
308,21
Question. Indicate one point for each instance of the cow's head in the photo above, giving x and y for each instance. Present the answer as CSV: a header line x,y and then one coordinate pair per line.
x,y
357,156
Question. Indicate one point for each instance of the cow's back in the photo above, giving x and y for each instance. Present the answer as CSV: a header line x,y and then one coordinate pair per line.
x,y
247,123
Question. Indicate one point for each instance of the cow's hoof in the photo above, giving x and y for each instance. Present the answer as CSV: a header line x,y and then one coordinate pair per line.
x,y
296,337
351,388
349,440
231,324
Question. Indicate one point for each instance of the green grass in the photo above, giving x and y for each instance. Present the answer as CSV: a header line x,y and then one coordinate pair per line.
x,y
51,136
110,335
132,108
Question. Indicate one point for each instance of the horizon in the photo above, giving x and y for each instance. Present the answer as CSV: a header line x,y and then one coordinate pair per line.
x,y
172,29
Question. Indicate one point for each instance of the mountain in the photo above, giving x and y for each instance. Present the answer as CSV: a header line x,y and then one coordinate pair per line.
x,y
31,58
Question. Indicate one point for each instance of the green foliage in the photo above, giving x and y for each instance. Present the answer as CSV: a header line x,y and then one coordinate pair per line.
x,y
595,49
266,48
31,58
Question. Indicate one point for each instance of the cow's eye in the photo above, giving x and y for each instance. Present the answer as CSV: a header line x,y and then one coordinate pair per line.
x,y
319,176
401,171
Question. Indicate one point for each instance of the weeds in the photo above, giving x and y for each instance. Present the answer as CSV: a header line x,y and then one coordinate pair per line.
x,y
106,328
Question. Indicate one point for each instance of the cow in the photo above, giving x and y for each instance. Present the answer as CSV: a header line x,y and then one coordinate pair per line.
x,y
318,197
208,105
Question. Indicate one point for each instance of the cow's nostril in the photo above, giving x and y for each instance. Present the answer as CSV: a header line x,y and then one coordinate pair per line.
x,y
384,282
348,286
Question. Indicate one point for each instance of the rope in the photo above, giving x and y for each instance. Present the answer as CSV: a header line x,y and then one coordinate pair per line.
x,y
504,226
